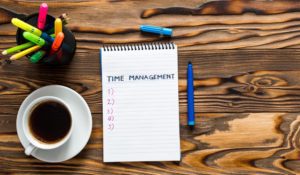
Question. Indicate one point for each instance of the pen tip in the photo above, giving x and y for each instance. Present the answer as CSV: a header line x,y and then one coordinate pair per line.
x,y
65,18
4,52
12,58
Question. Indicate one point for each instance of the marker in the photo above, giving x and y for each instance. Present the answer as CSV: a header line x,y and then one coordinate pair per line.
x,y
26,27
46,37
57,26
156,30
42,16
25,52
33,38
18,48
190,95
57,42
29,28
64,18
36,57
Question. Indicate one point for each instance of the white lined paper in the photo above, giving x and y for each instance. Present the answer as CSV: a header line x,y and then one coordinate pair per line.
x,y
140,117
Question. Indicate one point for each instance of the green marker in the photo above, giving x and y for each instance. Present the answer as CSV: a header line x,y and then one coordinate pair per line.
x,y
18,48
37,56
35,39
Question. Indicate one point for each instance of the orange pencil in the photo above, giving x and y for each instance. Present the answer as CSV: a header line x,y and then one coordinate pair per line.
x,y
57,42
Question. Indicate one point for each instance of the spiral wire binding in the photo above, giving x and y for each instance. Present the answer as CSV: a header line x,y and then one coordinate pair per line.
x,y
140,46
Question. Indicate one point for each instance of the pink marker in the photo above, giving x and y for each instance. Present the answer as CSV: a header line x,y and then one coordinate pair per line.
x,y
42,16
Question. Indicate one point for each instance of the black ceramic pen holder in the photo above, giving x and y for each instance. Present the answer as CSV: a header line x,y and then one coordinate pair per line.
x,y
64,54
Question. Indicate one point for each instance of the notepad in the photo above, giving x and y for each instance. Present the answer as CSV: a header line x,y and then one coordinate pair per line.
x,y
140,102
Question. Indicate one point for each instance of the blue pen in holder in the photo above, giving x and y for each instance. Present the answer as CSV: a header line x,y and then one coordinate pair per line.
x,y
65,53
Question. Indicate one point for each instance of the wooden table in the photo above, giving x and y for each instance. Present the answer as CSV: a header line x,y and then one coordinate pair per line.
x,y
247,79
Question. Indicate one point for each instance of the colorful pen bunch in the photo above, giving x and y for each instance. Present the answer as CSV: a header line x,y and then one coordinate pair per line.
x,y
40,40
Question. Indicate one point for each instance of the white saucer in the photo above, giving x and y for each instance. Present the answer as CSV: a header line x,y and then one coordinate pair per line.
x,y
82,124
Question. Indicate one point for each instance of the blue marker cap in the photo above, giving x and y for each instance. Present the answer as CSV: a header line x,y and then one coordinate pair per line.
x,y
46,37
156,30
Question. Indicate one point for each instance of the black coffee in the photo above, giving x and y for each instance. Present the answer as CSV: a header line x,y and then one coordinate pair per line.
x,y
50,122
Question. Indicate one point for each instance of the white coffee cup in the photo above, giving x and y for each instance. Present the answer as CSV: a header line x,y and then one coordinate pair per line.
x,y
34,142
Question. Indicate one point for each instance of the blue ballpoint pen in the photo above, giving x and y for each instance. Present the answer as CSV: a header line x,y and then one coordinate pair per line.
x,y
190,95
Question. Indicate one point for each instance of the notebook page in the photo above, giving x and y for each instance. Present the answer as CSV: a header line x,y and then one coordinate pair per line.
x,y
140,105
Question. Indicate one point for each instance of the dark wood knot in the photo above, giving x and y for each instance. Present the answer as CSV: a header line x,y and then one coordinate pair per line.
x,y
268,81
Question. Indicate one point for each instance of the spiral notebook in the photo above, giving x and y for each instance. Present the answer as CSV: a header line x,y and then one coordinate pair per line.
x,y
140,102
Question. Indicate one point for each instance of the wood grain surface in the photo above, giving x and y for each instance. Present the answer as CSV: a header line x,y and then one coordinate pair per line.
x,y
247,82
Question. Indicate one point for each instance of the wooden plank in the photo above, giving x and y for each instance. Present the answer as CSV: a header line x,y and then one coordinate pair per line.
x,y
263,25
221,143
225,80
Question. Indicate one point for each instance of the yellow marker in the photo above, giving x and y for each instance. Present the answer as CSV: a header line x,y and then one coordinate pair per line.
x,y
25,52
57,26
27,27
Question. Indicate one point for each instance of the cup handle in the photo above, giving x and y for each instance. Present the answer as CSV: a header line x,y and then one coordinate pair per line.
x,y
29,149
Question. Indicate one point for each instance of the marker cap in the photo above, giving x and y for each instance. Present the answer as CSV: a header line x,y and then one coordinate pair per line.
x,y
156,30
167,31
